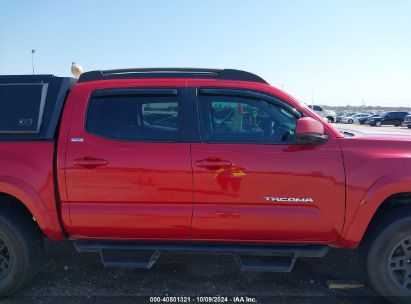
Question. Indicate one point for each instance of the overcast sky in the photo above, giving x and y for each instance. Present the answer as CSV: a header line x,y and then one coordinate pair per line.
x,y
337,52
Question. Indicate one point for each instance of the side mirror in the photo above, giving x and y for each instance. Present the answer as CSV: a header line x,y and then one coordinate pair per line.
x,y
310,131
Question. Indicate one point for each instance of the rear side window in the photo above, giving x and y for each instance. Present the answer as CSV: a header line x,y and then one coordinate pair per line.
x,y
21,107
134,118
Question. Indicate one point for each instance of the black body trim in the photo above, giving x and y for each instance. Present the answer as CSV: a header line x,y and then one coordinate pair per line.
x,y
135,91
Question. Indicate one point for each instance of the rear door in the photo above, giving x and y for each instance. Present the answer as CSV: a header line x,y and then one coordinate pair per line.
x,y
389,119
253,182
128,173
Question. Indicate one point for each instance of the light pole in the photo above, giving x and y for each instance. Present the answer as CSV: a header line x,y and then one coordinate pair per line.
x,y
32,59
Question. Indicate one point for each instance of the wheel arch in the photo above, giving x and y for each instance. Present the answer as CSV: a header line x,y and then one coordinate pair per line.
x,y
386,194
393,205
17,192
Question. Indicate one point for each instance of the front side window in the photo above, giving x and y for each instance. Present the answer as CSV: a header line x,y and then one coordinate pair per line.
x,y
134,118
238,119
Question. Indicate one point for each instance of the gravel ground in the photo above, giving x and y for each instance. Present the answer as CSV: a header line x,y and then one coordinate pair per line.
x,y
69,277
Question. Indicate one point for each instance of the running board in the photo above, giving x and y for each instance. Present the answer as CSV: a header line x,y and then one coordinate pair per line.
x,y
256,263
273,258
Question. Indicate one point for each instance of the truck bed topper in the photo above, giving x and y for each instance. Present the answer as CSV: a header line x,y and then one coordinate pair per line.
x,y
31,106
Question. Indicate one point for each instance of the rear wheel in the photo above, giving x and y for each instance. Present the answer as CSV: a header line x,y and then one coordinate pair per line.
x,y
21,250
388,260
350,121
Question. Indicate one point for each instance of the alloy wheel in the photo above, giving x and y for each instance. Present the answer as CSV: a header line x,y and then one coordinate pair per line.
x,y
399,264
5,259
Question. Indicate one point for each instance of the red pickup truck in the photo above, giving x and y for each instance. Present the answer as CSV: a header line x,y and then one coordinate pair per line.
x,y
132,163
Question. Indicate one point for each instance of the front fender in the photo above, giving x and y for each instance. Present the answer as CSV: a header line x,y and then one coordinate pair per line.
x,y
25,194
379,191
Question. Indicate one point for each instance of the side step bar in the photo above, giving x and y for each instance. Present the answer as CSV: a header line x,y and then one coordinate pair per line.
x,y
281,258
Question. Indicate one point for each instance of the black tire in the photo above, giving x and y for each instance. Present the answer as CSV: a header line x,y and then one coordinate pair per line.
x,y
23,245
350,121
382,257
378,123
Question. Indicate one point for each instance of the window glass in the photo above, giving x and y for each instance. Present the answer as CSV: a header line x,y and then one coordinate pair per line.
x,y
238,119
137,118
21,107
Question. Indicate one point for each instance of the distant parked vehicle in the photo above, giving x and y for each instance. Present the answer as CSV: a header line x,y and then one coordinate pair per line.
x,y
407,121
329,116
354,118
339,116
389,118
366,120
342,115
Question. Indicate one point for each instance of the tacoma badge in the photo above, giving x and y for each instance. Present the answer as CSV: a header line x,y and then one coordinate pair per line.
x,y
289,199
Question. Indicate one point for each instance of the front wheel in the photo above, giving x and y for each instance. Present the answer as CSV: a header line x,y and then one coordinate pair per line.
x,y
21,250
389,259
378,123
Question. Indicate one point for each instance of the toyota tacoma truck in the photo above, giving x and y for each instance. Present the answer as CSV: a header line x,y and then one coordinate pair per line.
x,y
132,163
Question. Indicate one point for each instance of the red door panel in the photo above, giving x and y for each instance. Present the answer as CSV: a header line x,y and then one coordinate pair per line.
x,y
237,202
144,191
127,189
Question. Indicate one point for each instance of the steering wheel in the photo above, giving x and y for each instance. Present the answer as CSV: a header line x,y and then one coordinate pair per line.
x,y
281,133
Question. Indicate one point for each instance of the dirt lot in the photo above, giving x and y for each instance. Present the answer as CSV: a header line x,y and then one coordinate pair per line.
x,y
68,277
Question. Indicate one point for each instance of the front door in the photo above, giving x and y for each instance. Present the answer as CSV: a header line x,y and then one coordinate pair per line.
x,y
254,182
128,175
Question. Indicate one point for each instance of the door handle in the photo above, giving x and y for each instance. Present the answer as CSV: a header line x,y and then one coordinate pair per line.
x,y
214,163
90,162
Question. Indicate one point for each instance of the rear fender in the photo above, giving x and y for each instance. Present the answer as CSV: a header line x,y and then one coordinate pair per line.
x,y
29,198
